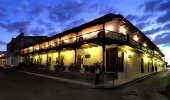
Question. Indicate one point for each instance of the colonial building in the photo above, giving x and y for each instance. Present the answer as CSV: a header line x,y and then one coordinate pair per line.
x,y
13,47
111,42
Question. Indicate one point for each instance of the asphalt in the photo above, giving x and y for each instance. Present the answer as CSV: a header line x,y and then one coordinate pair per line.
x,y
108,85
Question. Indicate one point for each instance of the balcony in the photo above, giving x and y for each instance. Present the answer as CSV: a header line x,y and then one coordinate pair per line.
x,y
142,48
116,36
97,37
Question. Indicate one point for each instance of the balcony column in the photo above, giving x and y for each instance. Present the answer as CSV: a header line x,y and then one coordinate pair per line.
x,y
47,58
39,59
103,50
128,38
103,55
33,49
58,58
75,50
75,57
152,66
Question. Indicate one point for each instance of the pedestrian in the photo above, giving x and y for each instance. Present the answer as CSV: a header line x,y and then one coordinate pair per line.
x,y
156,68
97,73
152,68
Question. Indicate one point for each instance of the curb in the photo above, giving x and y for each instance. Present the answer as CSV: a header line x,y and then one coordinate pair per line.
x,y
88,85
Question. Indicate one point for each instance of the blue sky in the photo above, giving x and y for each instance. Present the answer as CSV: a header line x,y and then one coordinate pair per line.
x,y
48,17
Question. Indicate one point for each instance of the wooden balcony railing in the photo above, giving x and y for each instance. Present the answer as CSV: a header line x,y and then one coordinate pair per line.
x,y
95,34
134,43
115,36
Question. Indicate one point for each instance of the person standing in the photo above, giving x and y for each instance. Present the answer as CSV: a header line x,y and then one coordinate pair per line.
x,y
156,68
97,73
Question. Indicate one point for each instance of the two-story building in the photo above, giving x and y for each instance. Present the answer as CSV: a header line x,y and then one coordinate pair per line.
x,y
13,47
111,42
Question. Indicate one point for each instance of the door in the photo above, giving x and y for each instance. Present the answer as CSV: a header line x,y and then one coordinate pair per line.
x,y
112,62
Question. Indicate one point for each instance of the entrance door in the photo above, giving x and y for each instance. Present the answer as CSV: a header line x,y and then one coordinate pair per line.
x,y
111,62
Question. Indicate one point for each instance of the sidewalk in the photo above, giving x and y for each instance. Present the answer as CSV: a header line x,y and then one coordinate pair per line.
x,y
117,83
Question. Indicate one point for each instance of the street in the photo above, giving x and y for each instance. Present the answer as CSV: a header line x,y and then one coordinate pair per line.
x,y
19,86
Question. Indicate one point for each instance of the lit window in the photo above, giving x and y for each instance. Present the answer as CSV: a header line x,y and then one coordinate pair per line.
x,y
136,38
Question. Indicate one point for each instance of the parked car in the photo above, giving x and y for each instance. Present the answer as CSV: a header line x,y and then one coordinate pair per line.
x,y
8,67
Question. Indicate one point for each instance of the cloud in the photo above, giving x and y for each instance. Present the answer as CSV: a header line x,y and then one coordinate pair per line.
x,y
52,33
157,7
65,11
151,5
145,17
25,3
142,25
164,18
162,38
37,31
2,12
73,24
132,17
166,27
16,26
153,31
38,9
163,6
3,43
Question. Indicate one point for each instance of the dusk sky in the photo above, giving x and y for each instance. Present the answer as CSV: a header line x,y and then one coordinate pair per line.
x,y
49,17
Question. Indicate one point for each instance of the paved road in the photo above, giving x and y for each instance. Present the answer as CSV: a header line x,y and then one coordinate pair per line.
x,y
19,86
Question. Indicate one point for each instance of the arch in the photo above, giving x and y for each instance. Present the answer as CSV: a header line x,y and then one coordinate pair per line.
x,y
100,34
80,39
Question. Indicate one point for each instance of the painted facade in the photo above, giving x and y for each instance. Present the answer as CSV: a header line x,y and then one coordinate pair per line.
x,y
111,42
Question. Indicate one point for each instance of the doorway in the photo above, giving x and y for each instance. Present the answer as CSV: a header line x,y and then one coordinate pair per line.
x,y
112,62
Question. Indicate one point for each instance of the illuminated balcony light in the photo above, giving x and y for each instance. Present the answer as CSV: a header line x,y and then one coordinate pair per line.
x,y
30,48
62,53
122,30
136,38
93,34
66,40
46,45
74,39
144,44
109,28
129,53
52,43
86,36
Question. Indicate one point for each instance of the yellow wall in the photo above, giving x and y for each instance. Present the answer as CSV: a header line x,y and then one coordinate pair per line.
x,y
43,58
132,64
95,55
53,56
69,57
